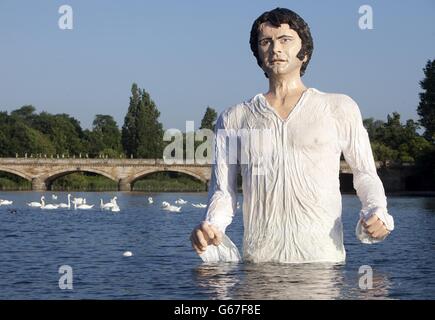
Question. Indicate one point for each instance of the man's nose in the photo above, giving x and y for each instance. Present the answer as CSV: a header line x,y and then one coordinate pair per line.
x,y
276,46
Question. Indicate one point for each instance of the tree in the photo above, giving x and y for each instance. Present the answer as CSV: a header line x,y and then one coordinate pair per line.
x,y
105,137
20,138
150,130
209,119
426,107
63,131
142,133
394,141
381,152
129,130
374,128
25,113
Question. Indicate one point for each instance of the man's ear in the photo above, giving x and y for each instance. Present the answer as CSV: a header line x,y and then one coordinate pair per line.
x,y
305,58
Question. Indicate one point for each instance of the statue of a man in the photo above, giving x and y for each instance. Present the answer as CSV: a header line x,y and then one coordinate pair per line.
x,y
292,212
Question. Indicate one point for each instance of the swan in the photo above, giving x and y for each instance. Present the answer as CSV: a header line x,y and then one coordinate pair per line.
x,y
168,207
127,254
150,200
115,209
5,202
64,205
199,205
48,206
35,204
106,206
78,201
54,197
180,201
83,206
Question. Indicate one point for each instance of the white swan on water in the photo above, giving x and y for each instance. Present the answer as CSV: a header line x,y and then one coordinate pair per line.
x,y
83,206
199,205
65,205
5,202
48,206
106,206
115,207
78,201
180,201
112,205
150,200
168,207
35,204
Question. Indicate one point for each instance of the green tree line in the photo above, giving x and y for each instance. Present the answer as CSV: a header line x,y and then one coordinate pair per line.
x,y
24,132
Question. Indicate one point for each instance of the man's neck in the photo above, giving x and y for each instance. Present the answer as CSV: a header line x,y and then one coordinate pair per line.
x,y
281,87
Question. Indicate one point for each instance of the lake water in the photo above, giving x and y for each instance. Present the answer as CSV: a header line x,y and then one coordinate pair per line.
x,y
35,243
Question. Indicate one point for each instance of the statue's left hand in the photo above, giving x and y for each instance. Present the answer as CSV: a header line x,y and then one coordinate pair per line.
x,y
375,227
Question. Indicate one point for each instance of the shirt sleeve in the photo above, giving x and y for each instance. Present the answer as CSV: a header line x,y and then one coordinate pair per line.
x,y
222,196
357,151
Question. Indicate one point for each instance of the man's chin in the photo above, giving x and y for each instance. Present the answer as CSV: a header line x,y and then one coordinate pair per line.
x,y
278,72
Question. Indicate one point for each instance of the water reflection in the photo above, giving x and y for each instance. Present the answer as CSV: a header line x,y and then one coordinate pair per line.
x,y
429,204
291,281
218,279
272,281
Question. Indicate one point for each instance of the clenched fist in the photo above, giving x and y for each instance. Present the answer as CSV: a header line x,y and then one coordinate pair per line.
x,y
204,235
375,227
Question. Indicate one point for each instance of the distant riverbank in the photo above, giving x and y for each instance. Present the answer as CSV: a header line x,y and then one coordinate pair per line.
x,y
156,182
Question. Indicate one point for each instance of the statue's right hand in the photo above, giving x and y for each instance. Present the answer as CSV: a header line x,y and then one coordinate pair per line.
x,y
204,235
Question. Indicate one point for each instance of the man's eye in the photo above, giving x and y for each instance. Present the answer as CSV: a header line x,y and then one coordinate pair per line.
x,y
264,43
284,40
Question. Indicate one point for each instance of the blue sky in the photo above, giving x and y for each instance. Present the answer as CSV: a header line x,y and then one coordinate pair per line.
x,y
192,54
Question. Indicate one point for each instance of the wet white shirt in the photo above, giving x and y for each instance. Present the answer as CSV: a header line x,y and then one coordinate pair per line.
x,y
291,190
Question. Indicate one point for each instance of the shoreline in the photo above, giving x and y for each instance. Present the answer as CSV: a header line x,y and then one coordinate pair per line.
x,y
388,194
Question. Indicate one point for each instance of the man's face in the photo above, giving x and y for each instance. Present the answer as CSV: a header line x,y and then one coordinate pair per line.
x,y
277,48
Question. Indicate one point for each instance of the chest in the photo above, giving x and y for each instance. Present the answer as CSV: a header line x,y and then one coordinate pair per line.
x,y
308,131
284,107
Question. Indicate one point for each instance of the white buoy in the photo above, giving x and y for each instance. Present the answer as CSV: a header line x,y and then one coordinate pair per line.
x,y
127,254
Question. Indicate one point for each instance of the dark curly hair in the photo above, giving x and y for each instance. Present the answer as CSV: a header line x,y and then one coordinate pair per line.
x,y
279,16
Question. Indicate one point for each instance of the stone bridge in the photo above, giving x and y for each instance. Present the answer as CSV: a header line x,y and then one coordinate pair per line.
x,y
41,172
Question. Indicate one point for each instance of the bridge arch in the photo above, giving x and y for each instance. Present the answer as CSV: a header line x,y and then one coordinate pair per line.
x,y
16,172
144,173
65,171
